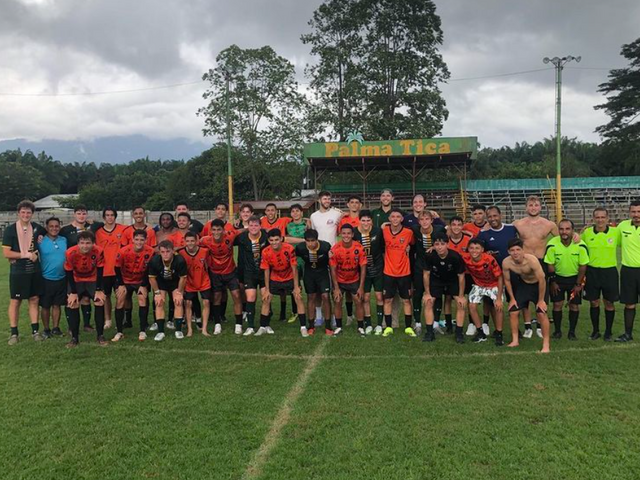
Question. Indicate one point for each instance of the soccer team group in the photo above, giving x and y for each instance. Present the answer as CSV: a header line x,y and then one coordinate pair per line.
x,y
408,260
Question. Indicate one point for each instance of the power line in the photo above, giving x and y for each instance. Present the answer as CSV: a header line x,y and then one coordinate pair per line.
x,y
499,75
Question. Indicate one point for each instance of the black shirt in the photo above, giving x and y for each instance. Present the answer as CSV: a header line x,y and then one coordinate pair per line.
x,y
373,245
444,270
167,273
314,261
10,239
71,233
249,252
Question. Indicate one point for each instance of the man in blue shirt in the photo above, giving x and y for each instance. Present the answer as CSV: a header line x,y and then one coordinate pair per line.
x,y
496,237
52,250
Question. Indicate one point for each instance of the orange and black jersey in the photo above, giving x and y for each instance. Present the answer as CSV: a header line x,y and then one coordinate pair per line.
x,y
373,247
84,266
197,270
229,229
461,245
473,229
111,242
220,260
167,272
396,251
316,261
347,261
131,266
280,263
444,270
279,223
250,251
485,272
353,221
127,236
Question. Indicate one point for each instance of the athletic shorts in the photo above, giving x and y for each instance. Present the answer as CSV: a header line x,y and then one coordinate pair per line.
x,y
545,269
222,282
629,285
253,281
109,284
400,285
351,288
167,286
418,282
478,294
85,289
315,282
439,289
566,285
602,281
281,288
23,286
376,282
524,293
468,284
193,296
240,272
54,293
132,288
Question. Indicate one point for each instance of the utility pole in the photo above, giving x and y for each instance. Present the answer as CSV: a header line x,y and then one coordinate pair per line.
x,y
229,164
559,64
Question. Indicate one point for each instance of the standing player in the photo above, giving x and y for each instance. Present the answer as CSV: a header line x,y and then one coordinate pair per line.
x,y
603,241
52,250
380,215
497,237
525,283
567,266
198,281
348,265
314,254
139,215
195,226
183,221
458,238
270,220
297,226
444,275
280,278
167,229
167,277
479,216
84,265
630,270
352,217
221,211
246,211
25,278
132,277
397,270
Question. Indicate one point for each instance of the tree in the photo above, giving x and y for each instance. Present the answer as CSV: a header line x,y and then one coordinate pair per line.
x,y
21,182
267,112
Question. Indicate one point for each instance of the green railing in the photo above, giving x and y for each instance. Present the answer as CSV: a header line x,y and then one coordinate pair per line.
x,y
543,183
396,187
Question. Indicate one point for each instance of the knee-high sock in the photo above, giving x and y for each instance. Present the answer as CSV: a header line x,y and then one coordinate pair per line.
x,y
380,314
573,321
302,317
86,314
128,316
99,320
557,320
283,308
223,309
251,314
437,309
417,305
217,318
407,320
143,312
74,322
179,321
594,312
349,309
609,315
629,318
120,313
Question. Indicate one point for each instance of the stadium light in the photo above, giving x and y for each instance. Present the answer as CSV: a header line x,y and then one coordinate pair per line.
x,y
559,64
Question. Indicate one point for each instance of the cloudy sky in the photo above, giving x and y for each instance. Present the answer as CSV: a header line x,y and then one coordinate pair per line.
x,y
79,46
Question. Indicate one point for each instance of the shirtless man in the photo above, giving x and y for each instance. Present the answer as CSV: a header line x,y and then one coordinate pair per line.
x,y
525,282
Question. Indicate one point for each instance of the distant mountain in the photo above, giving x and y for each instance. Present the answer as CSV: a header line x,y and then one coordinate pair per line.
x,y
111,149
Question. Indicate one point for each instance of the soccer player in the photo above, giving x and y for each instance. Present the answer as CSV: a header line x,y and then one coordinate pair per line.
x,y
479,216
325,220
525,283
25,278
487,285
198,281
567,265
183,221
630,270
221,211
496,238
297,226
246,211
52,250
372,242
348,265
109,237
84,264
444,275
352,217
195,225
458,238
168,229
419,204
270,220
139,215
132,276
381,215
397,270
222,269
603,241
168,277
250,244
280,278
314,254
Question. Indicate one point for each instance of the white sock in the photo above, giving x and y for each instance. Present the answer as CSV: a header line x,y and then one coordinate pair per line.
x,y
318,312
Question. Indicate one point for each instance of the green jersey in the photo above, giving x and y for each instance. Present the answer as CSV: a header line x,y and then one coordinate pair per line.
x,y
250,251
379,217
603,246
373,245
566,259
296,230
629,244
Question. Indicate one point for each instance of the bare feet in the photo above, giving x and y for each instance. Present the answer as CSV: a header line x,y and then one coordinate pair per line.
x,y
545,350
513,344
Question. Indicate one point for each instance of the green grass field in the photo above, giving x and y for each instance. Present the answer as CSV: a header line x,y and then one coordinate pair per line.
x,y
284,407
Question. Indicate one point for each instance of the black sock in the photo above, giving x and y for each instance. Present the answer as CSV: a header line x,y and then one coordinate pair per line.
x,y
160,322
349,309
387,320
34,328
557,320
178,324
120,313
99,320
143,313
458,330
437,309
361,324
595,318
379,314
338,322
244,307
14,330
302,318
367,321
128,316
264,320
251,314
629,317
527,326
283,308
485,319
293,304
238,319
430,328
223,309
74,323
217,318
86,314
609,315
172,309
408,319
417,305
573,321
448,318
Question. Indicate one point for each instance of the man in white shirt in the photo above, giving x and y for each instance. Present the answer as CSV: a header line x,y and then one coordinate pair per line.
x,y
326,219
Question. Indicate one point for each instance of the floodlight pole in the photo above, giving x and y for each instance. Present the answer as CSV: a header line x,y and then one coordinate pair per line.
x,y
559,64
229,164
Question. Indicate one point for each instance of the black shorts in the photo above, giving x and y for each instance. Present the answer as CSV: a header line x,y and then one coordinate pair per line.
x,y
566,285
23,286
545,269
191,296
524,293
222,282
468,284
132,288
375,282
418,282
54,293
602,281
439,289
281,288
629,285
351,288
253,281
85,289
315,282
109,284
399,285
240,272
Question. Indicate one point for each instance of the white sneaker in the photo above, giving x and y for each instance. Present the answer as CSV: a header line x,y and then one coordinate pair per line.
x,y
378,330
196,320
270,331
471,330
261,331
179,335
349,320
528,333
159,337
142,336
368,330
437,328
238,330
171,325
337,331
119,336
539,332
485,329
218,329
304,332
361,332
249,331
153,327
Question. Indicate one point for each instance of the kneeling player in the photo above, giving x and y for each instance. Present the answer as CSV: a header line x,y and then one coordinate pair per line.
x,y
168,276
280,278
84,264
487,284
525,283
198,281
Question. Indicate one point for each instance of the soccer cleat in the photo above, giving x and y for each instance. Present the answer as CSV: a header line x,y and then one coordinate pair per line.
x,y
102,342
499,340
142,336
387,331
293,318
238,329
607,336
312,331
117,337
409,331
171,325
218,329
328,331
572,336
362,332
438,328
46,335
429,336
479,337
153,327
13,340
56,332
270,331
368,330
337,331
449,328
378,330
261,331
159,337
73,343
528,333
624,338
539,332
179,335
594,336
471,330
349,320
460,338
89,329
249,331
485,329
557,334
304,332
37,337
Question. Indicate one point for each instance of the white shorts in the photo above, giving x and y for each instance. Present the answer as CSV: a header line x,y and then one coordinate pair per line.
x,y
477,294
